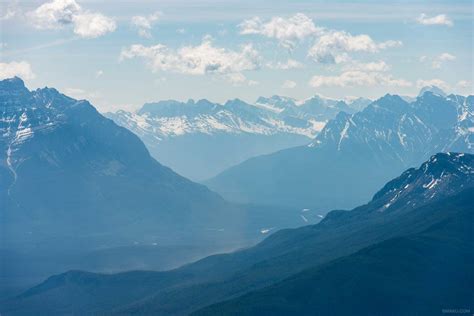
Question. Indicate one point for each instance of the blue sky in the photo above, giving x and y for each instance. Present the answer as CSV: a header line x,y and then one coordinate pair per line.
x,y
121,54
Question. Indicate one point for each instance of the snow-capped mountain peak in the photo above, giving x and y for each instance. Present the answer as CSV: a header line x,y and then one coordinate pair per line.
x,y
170,127
442,175
404,131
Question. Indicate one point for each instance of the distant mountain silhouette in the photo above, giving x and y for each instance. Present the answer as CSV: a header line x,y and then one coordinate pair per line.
x,y
428,222
354,154
218,136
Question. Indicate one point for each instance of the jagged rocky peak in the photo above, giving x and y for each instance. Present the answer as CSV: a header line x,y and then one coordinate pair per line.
x,y
204,103
277,100
13,91
357,103
236,102
27,112
442,175
433,89
240,107
389,102
12,84
172,108
454,163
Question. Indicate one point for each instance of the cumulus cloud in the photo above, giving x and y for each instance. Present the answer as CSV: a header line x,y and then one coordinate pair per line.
x,y
288,84
289,64
330,46
334,46
202,59
20,69
9,11
420,83
54,14
358,78
92,25
439,60
238,79
144,24
288,31
441,19
377,66
59,13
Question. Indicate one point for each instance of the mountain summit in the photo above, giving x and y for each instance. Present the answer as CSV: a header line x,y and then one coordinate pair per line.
x,y
404,247
219,136
375,144
69,174
432,89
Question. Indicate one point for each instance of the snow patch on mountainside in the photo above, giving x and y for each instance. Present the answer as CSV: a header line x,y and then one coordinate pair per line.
x,y
267,116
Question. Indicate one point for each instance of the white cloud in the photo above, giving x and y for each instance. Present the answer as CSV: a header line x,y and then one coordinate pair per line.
x,y
358,78
465,87
289,64
438,60
288,84
9,11
420,83
92,25
79,93
196,60
377,66
441,19
20,69
7,15
238,79
253,83
59,13
181,31
74,91
446,56
334,46
330,46
288,31
54,14
99,73
144,23
464,84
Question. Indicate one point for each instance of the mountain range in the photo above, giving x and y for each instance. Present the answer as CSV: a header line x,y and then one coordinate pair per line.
x,y
75,183
406,251
219,136
354,154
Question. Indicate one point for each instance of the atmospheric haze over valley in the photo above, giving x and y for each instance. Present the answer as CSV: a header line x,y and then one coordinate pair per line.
x,y
236,158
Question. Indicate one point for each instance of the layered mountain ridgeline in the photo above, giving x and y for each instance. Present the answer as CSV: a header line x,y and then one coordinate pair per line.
x,y
73,181
69,171
219,136
426,273
423,211
354,154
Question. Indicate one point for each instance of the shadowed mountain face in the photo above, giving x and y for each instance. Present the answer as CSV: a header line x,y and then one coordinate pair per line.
x,y
354,154
420,274
423,211
73,183
219,136
68,171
